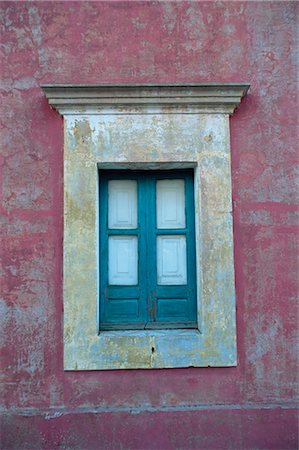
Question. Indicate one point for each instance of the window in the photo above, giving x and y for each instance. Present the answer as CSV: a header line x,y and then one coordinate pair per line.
x,y
147,250
151,129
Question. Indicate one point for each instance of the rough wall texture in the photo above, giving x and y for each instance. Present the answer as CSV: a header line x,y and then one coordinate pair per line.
x,y
251,406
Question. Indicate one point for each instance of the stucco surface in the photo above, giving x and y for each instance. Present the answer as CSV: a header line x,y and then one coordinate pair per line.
x,y
91,42
146,137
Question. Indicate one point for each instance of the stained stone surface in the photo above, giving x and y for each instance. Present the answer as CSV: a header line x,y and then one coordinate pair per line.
x,y
142,138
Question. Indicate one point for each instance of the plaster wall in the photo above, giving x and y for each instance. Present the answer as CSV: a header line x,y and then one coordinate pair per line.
x,y
250,406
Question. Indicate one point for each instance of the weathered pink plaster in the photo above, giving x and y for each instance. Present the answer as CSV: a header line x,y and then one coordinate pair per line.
x,y
94,42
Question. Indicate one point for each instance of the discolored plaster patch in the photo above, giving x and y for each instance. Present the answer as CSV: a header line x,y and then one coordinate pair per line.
x,y
25,189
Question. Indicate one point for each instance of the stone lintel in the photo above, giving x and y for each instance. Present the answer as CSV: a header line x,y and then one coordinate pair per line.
x,y
192,97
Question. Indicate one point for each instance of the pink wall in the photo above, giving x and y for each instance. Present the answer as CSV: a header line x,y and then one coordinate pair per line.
x,y
251,406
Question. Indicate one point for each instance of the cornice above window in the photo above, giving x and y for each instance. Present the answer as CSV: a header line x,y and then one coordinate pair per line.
x,y
126,98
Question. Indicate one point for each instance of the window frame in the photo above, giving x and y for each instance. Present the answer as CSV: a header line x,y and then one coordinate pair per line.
x,y
146,127
147,231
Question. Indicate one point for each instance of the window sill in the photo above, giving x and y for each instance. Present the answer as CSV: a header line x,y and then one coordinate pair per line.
x,y
150,333
149,349
149,326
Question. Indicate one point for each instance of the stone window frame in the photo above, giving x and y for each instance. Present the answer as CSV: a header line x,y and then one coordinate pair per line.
x,y
146,127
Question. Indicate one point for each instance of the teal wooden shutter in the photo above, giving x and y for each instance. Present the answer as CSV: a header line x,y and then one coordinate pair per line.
x,y
152,301
121,304
174,305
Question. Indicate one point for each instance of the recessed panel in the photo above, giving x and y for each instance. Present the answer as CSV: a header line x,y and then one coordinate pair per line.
x,y
122,204
170,204
172,308
123,309
171,260
123,260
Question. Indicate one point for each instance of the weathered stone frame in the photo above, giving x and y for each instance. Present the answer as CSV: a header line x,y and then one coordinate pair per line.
x,y
144,127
